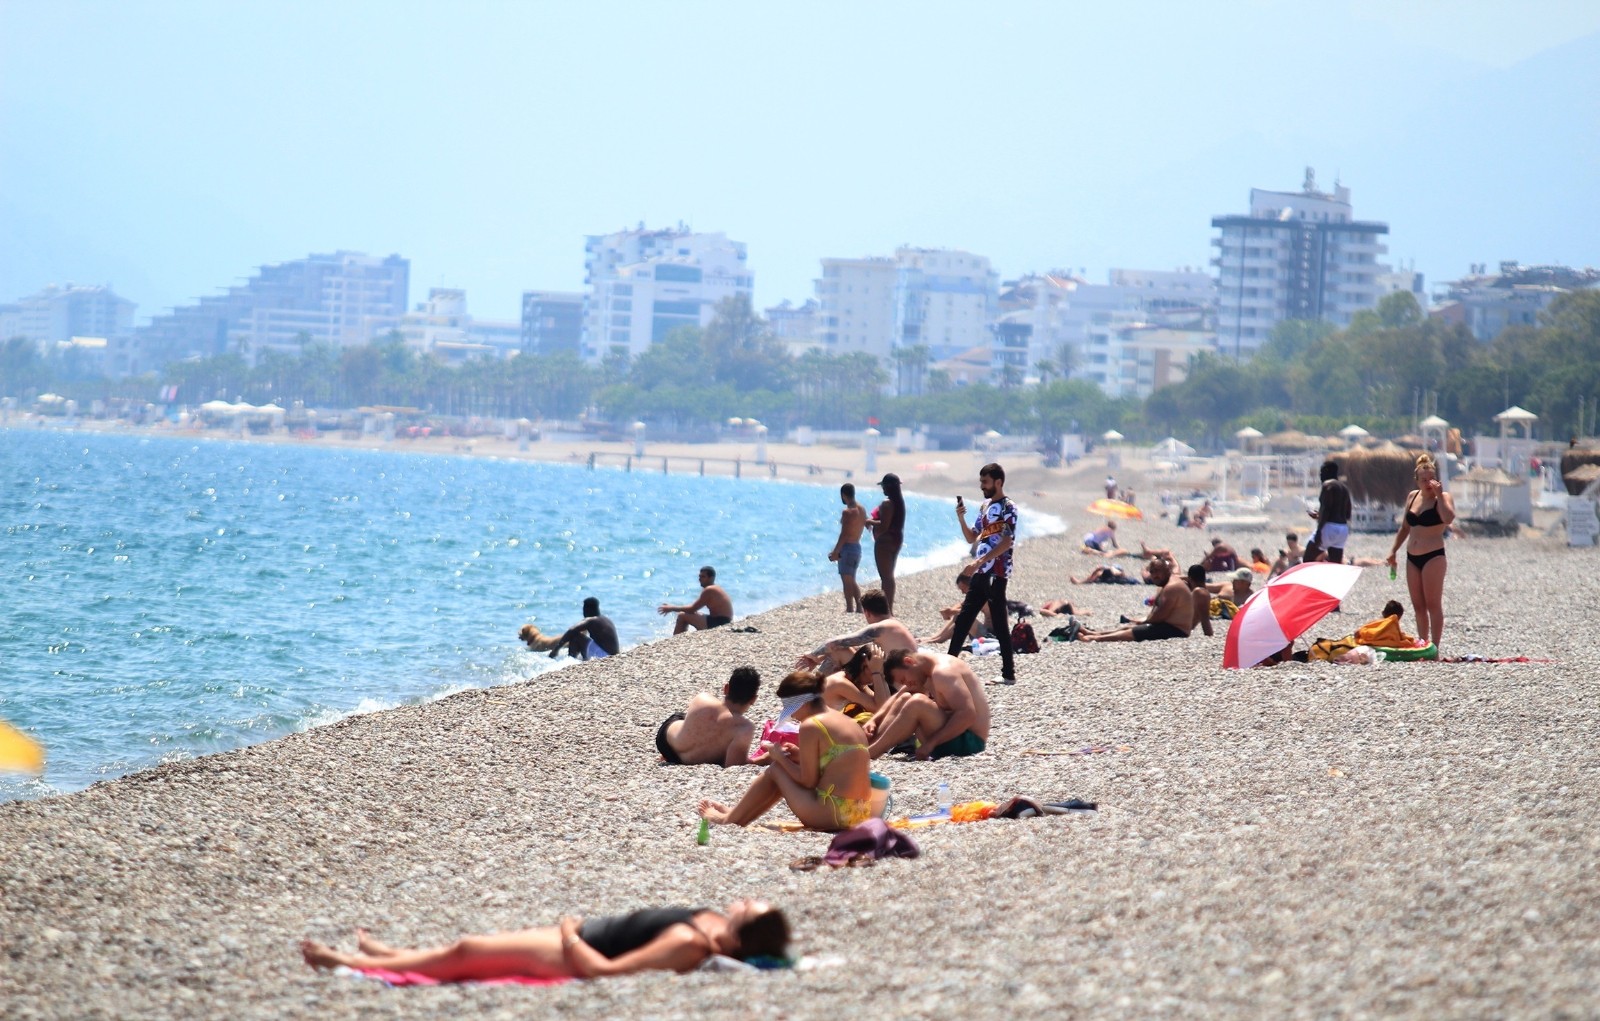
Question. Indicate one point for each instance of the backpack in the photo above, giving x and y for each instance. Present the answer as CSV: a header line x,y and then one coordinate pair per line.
x,y
1023,639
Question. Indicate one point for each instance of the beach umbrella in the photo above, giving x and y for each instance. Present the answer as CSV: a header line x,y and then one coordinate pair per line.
x,y
19,753
1116,509
1285,609
1111,436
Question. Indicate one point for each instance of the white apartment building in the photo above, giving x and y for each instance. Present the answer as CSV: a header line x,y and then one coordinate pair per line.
x,y
855,305
1078,326
1295,255
57,314
941,298
643,284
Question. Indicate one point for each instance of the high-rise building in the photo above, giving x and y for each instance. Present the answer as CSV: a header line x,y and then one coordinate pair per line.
x,y
1076,327
343,299
938,298
552,321
643,284
1295,255
56,314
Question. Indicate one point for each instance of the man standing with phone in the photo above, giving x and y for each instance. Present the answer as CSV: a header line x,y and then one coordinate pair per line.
x,y
992,533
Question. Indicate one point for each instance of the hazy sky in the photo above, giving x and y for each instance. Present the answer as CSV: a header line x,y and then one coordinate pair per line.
x,y
169,148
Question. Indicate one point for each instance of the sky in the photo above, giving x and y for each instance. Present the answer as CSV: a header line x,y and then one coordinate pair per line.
x,y
170,148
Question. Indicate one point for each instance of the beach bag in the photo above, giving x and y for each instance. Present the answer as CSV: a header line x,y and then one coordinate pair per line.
x,y
1329,649
1023,638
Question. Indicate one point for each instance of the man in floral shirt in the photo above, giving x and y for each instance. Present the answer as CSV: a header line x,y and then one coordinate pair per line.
x,y
992,534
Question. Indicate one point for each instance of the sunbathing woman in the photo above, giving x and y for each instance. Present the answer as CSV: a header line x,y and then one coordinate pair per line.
x,y
824,778
657,939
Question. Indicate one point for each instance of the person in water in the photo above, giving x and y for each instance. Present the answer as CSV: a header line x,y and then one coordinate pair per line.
x,y
712,730
1429,512
824,777
714,601
888,524
655,939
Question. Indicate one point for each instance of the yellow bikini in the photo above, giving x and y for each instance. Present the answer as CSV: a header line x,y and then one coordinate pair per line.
x,y
847,812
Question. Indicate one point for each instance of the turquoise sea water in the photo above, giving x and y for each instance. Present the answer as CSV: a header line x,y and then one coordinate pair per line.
x,y
171,597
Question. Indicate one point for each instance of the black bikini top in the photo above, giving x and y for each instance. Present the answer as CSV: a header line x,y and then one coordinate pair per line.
x,y
1426,518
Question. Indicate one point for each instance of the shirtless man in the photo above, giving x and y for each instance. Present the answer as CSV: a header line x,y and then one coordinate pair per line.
x,y
712,730
1178,608
1221,558
713,600
593,637
881,628
940,703
847,550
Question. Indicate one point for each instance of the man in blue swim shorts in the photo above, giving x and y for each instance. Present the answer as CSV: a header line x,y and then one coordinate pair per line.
x,y
847,550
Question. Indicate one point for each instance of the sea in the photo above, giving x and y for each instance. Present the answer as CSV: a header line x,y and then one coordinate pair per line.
x,y
168,597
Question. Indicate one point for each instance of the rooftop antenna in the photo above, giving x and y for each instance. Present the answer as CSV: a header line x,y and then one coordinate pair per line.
x,y
1311,181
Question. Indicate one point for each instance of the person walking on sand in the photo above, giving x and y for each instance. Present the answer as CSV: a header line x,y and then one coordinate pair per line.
x,y
847,550
824,777
717,606
940,703
655,939
1332,513
992,534
1428,515
712,730
888,524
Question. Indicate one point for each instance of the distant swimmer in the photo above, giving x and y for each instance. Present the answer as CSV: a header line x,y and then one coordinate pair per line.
x,y
716,604
847,550
593,637
712,730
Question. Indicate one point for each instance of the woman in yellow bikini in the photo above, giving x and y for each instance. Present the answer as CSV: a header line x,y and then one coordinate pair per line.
x,y
823,778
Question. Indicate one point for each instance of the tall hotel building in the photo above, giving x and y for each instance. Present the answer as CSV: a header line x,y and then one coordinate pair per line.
x,y
342,299
1296,255
643,284
941,298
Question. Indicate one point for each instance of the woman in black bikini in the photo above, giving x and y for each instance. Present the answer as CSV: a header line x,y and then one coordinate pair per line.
x,y
1429,511
888,525
656,939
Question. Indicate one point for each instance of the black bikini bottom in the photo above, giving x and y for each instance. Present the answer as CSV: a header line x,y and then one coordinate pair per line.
x,y
1420,561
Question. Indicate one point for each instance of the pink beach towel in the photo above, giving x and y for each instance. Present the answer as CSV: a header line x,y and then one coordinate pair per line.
x,y
411,978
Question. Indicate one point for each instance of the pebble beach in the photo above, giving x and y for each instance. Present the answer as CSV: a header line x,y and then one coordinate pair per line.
x,y
1307,841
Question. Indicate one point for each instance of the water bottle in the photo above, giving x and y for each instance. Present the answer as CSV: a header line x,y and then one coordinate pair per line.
x,y
704,836
1393,573
942,796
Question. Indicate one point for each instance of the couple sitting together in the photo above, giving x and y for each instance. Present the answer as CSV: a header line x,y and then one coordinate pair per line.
x,y
824,775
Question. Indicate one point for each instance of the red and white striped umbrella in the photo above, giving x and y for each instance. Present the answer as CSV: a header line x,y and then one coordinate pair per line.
x,y
1285,609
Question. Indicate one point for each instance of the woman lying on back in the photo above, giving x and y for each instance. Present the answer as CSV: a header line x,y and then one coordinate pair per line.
x,y
655,939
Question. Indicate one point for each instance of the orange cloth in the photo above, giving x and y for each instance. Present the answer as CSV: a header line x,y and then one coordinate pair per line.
x,y
1384,634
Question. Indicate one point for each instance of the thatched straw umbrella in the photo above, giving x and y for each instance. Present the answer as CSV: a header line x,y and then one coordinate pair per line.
x,y
1378,476
1294,440
1574,461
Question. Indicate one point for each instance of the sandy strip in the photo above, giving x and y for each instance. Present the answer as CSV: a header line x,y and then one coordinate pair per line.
x,y
1312,841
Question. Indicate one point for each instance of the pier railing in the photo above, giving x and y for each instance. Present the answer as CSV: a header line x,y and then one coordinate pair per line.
x,y
738,467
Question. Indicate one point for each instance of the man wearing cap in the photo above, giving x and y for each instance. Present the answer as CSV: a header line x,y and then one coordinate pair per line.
x,y
888,524
992,535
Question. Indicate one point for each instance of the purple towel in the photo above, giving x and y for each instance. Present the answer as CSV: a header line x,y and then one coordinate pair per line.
x,y
871,840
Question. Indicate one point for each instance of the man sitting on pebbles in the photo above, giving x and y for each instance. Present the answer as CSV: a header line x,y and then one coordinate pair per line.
x,y
714,601
940,703
1178,608
712,731
886,631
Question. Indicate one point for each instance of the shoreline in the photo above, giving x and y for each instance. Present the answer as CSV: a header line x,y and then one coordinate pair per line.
x,y
1304,841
